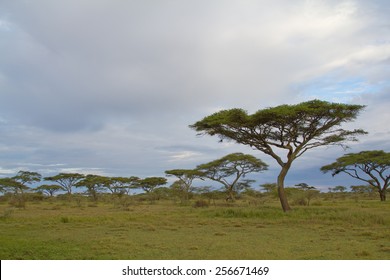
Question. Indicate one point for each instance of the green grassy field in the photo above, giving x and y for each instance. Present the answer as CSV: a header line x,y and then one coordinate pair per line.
x,y
344,229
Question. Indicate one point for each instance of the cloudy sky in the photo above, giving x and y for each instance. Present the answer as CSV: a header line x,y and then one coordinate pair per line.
x,y
110,86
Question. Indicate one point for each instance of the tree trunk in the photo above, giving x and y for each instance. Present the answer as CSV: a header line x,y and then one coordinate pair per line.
x,y
230,195
382,194
282,195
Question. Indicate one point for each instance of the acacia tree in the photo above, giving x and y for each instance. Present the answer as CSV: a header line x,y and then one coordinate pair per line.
x,y
150,183
309,191
120,185
360,189
186,177
339,189
19,183
11,185
371,167
232,166
93,184
269,187
27,177
284,132
66,180
49,189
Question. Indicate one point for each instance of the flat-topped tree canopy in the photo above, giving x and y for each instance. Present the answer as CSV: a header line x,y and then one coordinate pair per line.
x,y
66,180
150,183
294,128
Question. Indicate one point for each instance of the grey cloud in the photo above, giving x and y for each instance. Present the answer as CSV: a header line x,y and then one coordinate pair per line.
x,y
115,84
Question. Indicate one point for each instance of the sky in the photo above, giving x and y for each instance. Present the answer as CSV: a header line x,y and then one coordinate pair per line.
x,y
110,87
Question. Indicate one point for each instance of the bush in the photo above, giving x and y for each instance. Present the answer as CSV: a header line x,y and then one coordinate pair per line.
x,y
17,201
300,201
201,203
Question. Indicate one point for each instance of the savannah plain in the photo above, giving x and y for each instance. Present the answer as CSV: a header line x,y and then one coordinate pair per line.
x,y
334,226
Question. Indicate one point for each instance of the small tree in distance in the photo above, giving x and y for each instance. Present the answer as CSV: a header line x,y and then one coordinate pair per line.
x,y
371,167
121,185
362,189
229,169
27,177
50,190
310,192
269,187
150,183
18,184
185,176
66,180
94,184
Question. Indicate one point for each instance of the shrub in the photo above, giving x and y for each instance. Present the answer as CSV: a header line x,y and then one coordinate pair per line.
x,y
201,203
300,201
64,220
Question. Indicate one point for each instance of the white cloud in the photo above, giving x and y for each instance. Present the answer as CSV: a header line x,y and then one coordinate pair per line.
x,y
185,155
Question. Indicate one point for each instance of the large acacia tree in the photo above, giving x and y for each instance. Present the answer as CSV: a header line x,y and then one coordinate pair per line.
x,y
372,167
284,132
229,169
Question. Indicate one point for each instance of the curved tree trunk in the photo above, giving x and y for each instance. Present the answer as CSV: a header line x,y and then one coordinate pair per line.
x,y
282,195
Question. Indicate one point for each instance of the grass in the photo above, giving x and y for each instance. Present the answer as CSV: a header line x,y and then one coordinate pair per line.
x,y
63,230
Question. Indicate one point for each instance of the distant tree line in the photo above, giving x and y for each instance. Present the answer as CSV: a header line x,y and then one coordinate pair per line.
x,y
229,171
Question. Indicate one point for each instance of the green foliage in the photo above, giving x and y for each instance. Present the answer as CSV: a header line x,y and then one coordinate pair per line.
x,y
340,189
184,173
305,125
